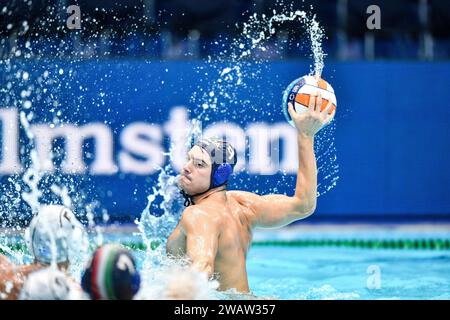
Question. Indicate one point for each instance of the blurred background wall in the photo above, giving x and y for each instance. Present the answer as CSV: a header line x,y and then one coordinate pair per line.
x,y
135,61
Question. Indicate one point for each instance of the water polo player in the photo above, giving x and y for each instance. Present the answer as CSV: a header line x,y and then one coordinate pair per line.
x,y
215,229
54,236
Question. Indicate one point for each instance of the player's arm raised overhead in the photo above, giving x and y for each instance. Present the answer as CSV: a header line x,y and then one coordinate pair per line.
x,y
277,210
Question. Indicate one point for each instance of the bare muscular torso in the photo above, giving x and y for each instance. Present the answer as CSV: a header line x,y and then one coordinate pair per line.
x,y
234,238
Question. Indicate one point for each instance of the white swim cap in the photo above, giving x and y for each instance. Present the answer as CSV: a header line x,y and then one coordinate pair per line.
x,y
55,233
46,284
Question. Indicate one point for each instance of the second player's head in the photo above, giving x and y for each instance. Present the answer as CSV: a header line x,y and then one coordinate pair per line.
x,y
111,274
55,235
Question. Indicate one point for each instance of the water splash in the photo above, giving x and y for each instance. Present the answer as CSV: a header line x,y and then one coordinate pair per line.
x,y
35,188
327,164
175,279
155,229
327,292
158,220
259,29
232,72
33,174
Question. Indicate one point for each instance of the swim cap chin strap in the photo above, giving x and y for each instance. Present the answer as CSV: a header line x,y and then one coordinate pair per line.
x,y
223,159
188,200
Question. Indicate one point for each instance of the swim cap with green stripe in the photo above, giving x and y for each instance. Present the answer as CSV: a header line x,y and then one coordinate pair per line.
x,y
111,274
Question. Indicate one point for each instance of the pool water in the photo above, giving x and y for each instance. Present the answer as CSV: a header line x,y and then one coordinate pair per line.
x,y
348,273
331,272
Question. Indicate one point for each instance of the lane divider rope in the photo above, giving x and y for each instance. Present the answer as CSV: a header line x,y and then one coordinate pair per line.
x,y
420,244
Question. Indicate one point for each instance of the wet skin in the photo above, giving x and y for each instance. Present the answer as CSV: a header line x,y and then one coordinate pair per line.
x,y
12,277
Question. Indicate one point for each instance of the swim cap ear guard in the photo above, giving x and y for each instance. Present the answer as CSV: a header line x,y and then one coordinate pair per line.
x,y
221,174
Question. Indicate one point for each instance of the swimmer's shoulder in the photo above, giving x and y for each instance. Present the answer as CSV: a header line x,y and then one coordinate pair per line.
x,y
246,200
243,197
9,270
4,262
12,277
196,215
25,270
6,270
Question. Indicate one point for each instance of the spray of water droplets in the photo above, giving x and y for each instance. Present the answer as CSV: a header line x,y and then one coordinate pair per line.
x,y
230,74
31,81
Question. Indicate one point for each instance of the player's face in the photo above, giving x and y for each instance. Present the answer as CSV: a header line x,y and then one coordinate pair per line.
x,y
195,177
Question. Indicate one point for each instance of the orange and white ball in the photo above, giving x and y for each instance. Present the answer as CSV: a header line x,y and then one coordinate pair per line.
x,y
300,91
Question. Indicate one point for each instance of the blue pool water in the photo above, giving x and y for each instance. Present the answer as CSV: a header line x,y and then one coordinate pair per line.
x,y
328,272
342,273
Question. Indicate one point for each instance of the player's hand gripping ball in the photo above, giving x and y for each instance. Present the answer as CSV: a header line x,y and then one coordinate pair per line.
x,y
313,103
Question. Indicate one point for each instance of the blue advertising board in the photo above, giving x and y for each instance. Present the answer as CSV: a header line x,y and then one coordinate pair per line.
x,y
391,136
